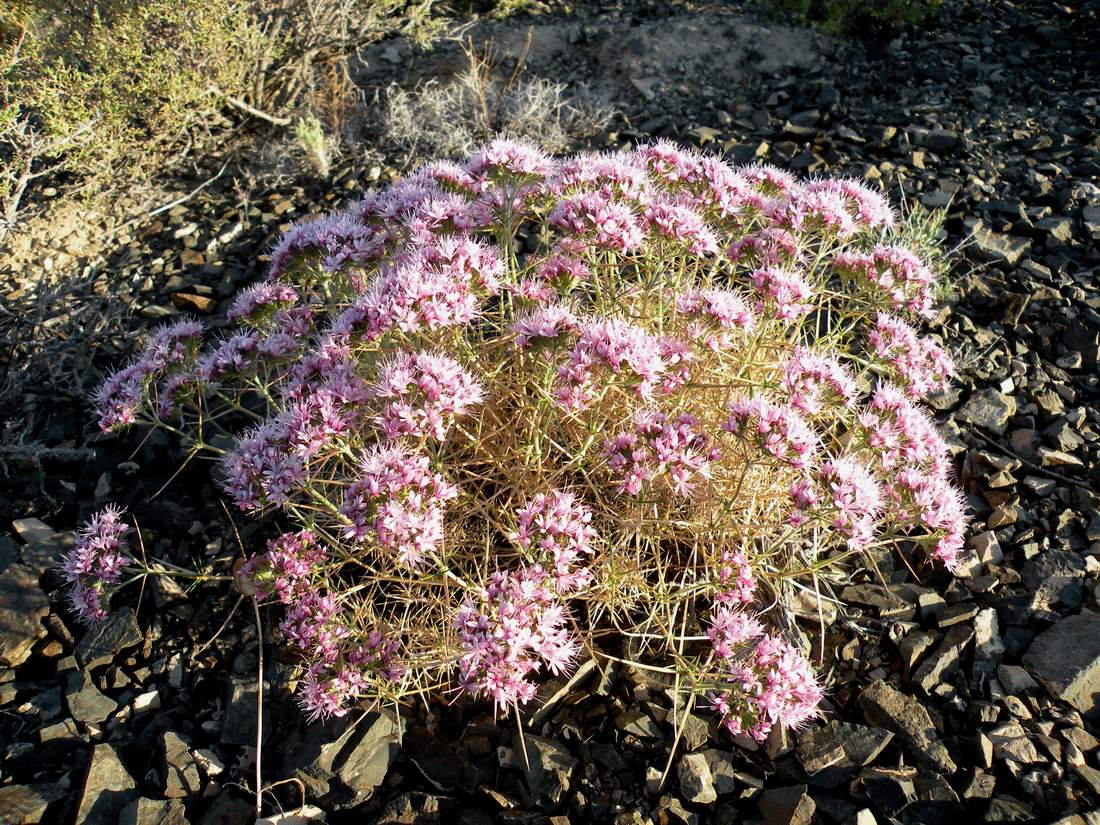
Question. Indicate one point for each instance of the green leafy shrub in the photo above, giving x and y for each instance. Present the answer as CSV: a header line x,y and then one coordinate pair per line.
x,y
110,91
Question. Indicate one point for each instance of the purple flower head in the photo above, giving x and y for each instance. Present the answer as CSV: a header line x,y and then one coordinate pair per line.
x,y
764,680
722,316
672,450
423,392
920,365
615,345
286,569
544,325
784,293
556,529
779,430
855,498
93,567
511,630
398,502
814,380
895,274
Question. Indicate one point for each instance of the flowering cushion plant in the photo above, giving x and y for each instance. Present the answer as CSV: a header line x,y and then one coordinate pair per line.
x,y
523,410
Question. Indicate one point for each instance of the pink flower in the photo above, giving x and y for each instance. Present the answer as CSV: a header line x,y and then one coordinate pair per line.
x,y
919,363
779,430
438,285
171,350
545,324
515,627
764,681
770,179
398,502
597,218
856,499
608,174
784,292
667,162
681,225
93,567
286,569
868,208
919,477
766,247
235,355
556,528
612,344
730,628
262,299
261,468
813,379
510,159
724,311
660,448
736,579
424,393
894,273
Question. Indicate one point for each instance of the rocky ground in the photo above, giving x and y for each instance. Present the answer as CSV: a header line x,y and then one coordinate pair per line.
x,y
974,697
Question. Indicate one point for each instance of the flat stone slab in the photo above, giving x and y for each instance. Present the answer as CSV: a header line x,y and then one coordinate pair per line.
x,y
23,606
907,719
1065,659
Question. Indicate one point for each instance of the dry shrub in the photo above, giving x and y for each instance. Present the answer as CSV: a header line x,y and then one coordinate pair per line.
x,y
451,118
521,411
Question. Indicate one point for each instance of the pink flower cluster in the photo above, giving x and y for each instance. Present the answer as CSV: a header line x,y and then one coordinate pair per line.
x,y
815,381
547,323
895,273
556,528
919,364
784,292
660,447
914,460
601,219
93,567
441,284
117,400
398,502
614,344
765,681
342,664
736,581
285,570
329,685
642,287
722,316
260,301
262,469
424,393
779,429
770,247
516,627
855,497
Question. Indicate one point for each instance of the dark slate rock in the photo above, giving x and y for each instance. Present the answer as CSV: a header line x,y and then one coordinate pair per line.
x,y
989,409
548,768
28,804
108,788
181,773
118,632
1057,580
787,806
154,812
1065,659
23,606
906,717
696,781
440,765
